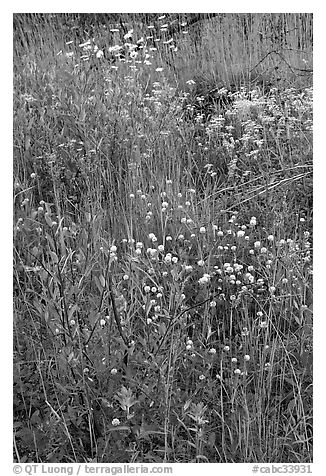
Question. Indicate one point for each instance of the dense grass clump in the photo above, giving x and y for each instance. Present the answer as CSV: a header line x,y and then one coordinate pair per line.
x,y
162,238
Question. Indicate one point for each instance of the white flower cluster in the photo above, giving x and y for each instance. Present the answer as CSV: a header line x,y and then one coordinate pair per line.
x,y
204,279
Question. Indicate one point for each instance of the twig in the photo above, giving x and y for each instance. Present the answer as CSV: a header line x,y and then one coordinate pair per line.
x,y
115,313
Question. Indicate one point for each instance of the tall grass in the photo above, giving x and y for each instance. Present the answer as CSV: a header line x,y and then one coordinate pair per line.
x,y
163,239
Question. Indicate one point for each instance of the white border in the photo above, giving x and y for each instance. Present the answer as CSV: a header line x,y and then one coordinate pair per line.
x,y
319,196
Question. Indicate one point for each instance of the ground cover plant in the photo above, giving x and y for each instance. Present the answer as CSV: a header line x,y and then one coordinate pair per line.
x,y
162,238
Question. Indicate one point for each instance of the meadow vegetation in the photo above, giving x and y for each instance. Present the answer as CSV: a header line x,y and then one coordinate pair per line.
x,y
163,238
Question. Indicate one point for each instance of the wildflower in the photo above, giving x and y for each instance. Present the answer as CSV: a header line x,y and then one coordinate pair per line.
x,y
115,422
189,342
204,279
132,195
153,238
237,371
187,204
147,289
212,304
202,377
263,325
259,314
202,230
113,249
201,262
168,238
149,320
257,244
263,250
285,281
160,248
246,357
168,258
272,289
253,221
114,372
181,237
233,248
174,259
125,277
154,289
188,268
102,322
72,322
234,360
33,175
240,233
188,347
183,220
270,238
212,351
165,204
249,278
226,348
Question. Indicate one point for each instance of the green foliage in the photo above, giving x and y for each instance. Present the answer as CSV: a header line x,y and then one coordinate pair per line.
x,y
162,247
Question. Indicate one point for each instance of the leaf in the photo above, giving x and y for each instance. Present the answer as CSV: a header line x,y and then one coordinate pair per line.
x,y
115,428
98,284
126,398
48,219
187,405
102,280
71,311
54,257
